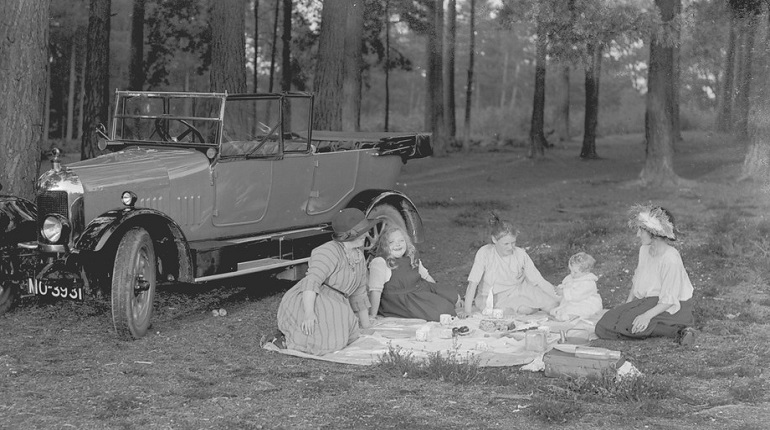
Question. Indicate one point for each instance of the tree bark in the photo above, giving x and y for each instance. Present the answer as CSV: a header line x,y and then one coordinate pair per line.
x,y
97,75
561,120
286,71
24,54
228,47
274,46
659,165
449,68
71,91
537,140
742,103
469,83
434,100
724,119
329,67
593,78
387,65
136,64
351,76
756,163
256,45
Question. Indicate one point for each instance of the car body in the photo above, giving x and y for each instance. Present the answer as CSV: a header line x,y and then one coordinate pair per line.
x,y
195,187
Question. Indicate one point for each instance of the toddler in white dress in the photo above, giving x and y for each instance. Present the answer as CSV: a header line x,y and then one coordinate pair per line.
x,y
579,295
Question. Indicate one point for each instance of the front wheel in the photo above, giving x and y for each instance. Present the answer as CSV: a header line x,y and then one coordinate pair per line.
x,y
133,284
388,215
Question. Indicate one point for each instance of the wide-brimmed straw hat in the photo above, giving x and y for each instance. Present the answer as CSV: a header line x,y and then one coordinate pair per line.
x,y
349,224
653,219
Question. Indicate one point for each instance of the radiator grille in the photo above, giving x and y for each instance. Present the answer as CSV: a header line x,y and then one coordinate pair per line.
x,y
51,202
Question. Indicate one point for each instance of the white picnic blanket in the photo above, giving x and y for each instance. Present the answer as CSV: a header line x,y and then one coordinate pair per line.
x,y
493,349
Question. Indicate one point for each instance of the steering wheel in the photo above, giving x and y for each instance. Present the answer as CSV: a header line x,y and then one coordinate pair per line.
x,y
162,131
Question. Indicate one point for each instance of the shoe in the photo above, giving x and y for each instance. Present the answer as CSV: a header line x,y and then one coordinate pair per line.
x,y
277,338
686,336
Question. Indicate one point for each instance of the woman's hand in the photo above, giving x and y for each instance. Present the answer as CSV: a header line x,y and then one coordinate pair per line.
x,y
641,323
308,324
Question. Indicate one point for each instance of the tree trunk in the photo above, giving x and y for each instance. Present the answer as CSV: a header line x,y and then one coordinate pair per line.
x,y
228,47
742,104
593,77
71,91
449,68
724,110
537,140
256,45
756,163
434,100
329,66
387,65
561,120
97,75
353,64
82,100
675,82
24,53
136,63
659,165
504,83
274,46
469,84
286,71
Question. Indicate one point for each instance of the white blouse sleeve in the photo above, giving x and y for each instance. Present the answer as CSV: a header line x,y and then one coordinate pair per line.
x,y
379,274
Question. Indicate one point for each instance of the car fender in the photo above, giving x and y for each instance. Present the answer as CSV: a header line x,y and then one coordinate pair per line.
x,y
367,200
112,224
17,220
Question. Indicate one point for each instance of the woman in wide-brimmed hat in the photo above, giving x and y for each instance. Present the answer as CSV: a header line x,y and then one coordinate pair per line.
x,y
660,301
322,312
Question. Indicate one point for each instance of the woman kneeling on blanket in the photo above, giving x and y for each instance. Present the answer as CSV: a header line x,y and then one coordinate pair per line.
x,y
509,279
396,286
318,314
660,300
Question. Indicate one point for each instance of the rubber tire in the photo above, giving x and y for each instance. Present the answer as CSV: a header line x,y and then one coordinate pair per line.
x,y
7,297
389,215
132,312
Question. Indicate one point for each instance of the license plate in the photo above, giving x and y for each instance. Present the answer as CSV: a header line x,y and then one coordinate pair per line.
x,y
39,288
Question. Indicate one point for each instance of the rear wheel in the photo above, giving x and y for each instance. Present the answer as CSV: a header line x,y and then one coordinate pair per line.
x,y
388,215
133,284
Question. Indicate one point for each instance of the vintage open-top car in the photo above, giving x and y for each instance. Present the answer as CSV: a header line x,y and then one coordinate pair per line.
x,y
196,187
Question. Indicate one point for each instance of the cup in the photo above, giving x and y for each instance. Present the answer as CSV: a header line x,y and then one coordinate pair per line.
x,y
446,319
497,313
422,334
487,312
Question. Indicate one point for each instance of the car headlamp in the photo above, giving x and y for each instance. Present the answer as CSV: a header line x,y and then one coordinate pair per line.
x,y
53,227
128,198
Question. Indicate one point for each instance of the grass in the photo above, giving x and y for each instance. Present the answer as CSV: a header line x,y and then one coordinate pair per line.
x,y
451,367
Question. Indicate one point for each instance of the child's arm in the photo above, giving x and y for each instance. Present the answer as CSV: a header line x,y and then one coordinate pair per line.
x,y
424,274
374,299
580,290
378,276
470,294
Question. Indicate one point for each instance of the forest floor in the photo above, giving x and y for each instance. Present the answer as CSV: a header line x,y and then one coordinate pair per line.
x,y
61,366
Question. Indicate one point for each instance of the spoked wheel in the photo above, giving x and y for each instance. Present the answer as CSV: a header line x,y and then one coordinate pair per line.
x,y
133,284
388,215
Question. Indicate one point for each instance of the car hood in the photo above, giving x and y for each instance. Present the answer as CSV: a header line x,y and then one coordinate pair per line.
x,y
152,168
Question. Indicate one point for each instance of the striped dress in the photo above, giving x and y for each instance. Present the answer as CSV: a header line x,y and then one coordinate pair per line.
x,y
341,292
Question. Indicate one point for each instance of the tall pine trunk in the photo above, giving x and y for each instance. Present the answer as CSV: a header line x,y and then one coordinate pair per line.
x,y
256,45
724,119
469,83
593,78
387,65
561,117
274,46
24,54
327,83
537,141
97,76
449,68
434,100
659,165
286,70
351,81
71,91
228,47
742,101
136,63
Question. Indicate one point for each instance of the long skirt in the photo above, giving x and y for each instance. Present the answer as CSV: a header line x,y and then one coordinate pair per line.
x,y
425,301
337,323
617,322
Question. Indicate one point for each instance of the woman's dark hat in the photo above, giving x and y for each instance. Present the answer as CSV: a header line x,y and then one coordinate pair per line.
x,y
349,224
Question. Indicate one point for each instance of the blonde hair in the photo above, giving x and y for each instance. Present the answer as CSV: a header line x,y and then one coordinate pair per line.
x,y
498,228
383,250
582,261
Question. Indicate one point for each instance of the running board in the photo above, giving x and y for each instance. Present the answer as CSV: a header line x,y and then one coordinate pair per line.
x,y
255,266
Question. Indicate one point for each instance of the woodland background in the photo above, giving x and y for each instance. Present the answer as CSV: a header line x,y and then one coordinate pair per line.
x,y
470,71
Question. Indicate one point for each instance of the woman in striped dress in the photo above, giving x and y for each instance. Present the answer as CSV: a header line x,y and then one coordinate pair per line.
x,y
322,312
